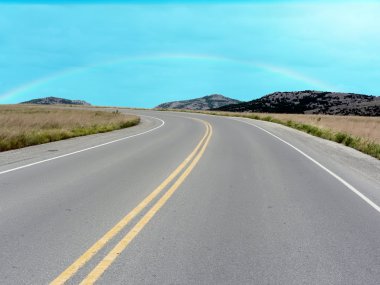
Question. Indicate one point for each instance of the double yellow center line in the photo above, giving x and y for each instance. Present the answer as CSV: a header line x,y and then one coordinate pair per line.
x,y
185,167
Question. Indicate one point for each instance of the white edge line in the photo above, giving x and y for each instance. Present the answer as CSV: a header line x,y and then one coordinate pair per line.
x,y
340,179
86,149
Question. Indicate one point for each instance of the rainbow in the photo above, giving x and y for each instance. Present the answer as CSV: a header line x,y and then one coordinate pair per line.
x,y
39,82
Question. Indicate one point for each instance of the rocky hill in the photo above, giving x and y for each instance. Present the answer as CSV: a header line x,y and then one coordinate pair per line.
x,y
55,100
311,102
204,103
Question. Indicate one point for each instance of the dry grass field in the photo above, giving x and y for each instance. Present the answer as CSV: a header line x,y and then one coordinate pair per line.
x,y
357,126
364,127
26,125
358,132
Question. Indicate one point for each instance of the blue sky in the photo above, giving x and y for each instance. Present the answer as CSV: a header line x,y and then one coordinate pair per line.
x,y
142,53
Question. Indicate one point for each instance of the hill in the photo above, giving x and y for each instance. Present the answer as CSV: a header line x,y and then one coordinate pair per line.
x,y
311,102
55,100
204,103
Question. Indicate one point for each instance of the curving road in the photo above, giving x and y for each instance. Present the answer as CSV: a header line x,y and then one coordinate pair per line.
x,y
190,199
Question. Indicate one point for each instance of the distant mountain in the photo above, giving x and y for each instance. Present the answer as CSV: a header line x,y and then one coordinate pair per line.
x,y
55,100
204,103
311,102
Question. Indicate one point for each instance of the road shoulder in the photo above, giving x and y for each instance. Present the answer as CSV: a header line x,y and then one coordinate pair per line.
x,y
19,157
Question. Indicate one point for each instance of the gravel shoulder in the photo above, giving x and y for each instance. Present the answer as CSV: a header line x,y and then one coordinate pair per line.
x,y
360,170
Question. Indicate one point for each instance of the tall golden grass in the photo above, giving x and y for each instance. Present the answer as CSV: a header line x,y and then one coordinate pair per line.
x,y
26,125
361,133
364,127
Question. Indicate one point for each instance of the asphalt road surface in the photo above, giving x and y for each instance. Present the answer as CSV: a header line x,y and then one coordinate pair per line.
x,y
190,199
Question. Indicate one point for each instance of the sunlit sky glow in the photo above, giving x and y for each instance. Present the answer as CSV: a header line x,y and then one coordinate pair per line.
x,y
142,53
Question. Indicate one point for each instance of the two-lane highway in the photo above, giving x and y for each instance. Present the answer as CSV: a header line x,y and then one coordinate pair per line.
x,y
194,200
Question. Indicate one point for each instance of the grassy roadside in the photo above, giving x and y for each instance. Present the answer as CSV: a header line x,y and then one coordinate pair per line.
x,y
26,125
366,142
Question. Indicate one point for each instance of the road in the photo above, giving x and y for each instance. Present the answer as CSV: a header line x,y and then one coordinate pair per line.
x,y
190,199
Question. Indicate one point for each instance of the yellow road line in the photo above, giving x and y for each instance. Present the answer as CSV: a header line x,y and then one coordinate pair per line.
x,y
94,275
84,258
